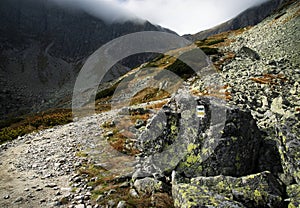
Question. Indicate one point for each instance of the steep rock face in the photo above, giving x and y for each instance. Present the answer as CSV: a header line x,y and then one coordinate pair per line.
x,y
249,17
43,47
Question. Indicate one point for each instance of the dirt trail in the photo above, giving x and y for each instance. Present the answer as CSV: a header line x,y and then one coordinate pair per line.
x,y
35,169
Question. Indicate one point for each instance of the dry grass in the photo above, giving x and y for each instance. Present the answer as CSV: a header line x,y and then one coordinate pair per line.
x,y
122,133
270,79
223,60
157,106
214,91
148,95
222,39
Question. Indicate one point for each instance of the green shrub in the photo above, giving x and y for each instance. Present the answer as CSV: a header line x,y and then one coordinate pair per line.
x,y
209,51
12,128
181,69
7,134
214,42
108,92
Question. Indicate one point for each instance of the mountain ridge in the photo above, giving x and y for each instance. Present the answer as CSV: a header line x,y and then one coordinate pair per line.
x,y
249,17
43,46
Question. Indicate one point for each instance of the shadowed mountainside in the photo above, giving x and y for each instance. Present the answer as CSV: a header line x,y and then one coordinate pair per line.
x,y
42,48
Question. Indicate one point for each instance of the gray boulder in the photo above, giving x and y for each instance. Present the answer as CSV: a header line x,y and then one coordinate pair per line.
x,y
258,190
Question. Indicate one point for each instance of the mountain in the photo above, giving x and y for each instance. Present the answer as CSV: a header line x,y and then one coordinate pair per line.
x,y
227,136
42,48
249,17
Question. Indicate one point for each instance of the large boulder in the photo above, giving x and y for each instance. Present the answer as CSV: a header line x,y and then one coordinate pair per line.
x,y
226,141
227,146
258,190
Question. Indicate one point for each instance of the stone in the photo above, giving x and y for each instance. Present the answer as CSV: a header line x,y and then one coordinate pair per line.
x,y
6,197
293,192
80,206
109,134
39,189
230,145
248,52
111,203
139,123
121,204
19,199
224,191
111,192
50,185
148,185
133,193
100,198
79,198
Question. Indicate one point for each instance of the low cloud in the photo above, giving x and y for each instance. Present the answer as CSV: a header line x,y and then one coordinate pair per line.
x,y
182,16
110,11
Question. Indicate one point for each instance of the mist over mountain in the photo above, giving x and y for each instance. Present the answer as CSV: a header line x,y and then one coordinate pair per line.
x,y
43,46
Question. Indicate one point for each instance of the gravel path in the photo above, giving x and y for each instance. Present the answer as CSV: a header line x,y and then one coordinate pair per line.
x,y
36,169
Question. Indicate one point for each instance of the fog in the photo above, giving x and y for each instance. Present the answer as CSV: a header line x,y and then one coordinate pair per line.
x,y
182,16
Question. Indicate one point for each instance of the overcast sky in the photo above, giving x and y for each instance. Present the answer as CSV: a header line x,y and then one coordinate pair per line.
x,y
182,16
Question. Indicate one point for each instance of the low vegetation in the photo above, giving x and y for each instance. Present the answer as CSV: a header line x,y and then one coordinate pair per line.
x,y
108,186
15,127
270,79
148,95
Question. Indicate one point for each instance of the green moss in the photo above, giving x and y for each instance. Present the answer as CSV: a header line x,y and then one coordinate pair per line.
x,y
191,147
81,154
257,196
291,205
173,129
221,186
191,159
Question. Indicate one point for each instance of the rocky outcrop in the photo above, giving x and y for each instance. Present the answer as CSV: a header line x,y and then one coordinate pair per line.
x,y
258,190
228,145
253,161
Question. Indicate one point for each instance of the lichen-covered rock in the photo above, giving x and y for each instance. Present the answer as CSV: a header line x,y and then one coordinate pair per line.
x,y
192,196
259,190
166,138
293,193
228,146
148,186
226,141
289,148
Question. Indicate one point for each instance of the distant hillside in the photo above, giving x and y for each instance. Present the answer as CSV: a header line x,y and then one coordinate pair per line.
x,y
249,17
42,48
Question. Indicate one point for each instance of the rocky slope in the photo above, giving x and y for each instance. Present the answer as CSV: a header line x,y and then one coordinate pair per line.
x,y
243,151
42,48
251,16
264,80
